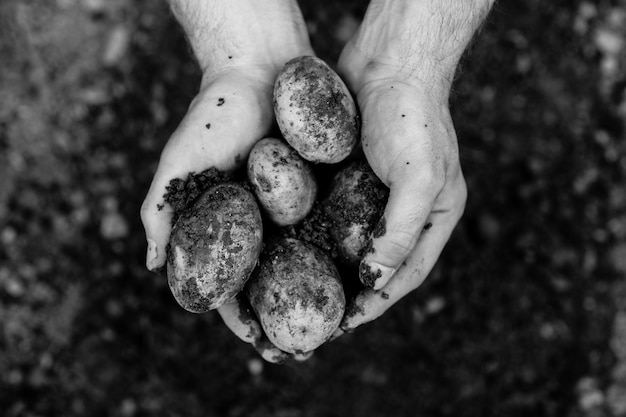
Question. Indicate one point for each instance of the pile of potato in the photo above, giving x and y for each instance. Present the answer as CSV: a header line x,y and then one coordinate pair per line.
x,y
234,237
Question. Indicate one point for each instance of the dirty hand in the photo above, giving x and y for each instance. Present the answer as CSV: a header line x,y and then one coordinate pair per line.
x,y
400,64
240,45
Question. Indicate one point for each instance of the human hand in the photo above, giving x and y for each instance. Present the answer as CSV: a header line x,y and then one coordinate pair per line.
x,y
400,65
241,45
410,143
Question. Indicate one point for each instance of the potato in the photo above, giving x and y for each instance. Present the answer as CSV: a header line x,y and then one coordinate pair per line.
x,y
214,246
282,181
315,111
354,206
297,295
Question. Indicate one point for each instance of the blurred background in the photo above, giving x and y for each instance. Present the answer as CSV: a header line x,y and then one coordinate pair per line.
x,y
525,313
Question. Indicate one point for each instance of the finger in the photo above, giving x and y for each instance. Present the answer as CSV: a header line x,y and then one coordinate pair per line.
x,y
269,352
301,357
200,143
337,333
240,320
371,304
156,213
156,216
412,194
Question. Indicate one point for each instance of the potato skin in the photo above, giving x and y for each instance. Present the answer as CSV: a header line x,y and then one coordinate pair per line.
x,y
354,206
297,295
282,181
214,247
315,111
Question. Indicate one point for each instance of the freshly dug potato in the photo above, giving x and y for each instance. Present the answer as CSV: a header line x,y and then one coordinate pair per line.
x,y
214,246
354,206
315,111
282,181
297,295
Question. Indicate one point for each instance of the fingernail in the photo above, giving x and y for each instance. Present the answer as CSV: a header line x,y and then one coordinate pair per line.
x,y
385,275
274,355
375,275
301,357
269,352
337,334
152,256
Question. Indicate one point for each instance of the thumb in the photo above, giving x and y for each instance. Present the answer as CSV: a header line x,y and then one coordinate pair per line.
x,y
411,198
156,216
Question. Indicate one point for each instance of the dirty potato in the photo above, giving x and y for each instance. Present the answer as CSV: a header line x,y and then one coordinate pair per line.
x,y
282,181
354,206
214,246
297,295
315,111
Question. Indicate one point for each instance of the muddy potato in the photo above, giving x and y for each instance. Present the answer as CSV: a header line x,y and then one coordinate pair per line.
x,y
315,111
354,206
297,295
214,246
282,181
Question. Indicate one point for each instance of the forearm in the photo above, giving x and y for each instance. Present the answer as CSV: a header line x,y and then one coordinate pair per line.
x,y
242,33
424,39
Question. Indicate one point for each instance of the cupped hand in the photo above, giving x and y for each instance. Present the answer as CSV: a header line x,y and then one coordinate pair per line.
x,y
240,45
409,140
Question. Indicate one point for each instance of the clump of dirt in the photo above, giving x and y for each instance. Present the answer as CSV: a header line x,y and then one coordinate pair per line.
x,y
368,277
314,229
181,193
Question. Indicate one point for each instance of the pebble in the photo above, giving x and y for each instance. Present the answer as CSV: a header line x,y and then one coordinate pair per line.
x,y
113,226
435,305
616,400
608,41
617,256
255,367
117,46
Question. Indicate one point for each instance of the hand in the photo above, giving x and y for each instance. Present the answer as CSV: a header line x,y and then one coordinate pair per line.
x,y
241,45
401,72
409,141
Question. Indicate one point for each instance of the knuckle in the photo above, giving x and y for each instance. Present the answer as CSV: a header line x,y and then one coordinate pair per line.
x,y
400,241
431,178
457,206
145,213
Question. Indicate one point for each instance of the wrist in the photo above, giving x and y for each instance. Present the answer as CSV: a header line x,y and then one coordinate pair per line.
x,y
417,41
366,72
256,36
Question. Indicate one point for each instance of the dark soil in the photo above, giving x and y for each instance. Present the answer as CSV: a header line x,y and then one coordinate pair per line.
x,y
182,192
525,313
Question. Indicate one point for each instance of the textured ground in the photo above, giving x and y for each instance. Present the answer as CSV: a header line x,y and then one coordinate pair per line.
x,y
525,314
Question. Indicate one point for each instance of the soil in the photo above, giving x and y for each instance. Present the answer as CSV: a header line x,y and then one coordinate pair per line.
x,y
181,193
524,314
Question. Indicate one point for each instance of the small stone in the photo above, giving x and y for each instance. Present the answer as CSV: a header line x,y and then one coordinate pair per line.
x,y
616,400
255,367
128,407
113,226
117,46
617,256
346,28
14,287
434,305
618,340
